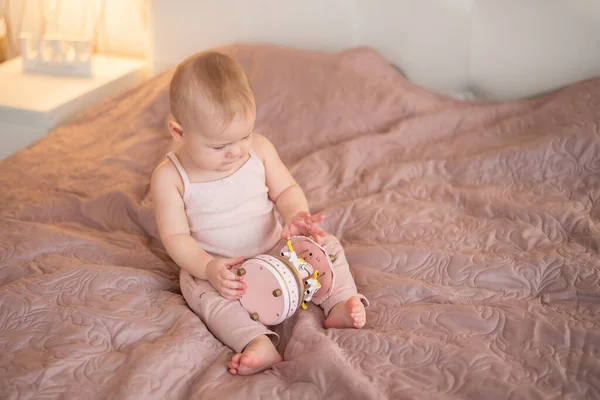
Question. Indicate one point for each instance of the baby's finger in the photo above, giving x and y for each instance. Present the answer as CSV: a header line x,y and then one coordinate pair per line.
x,y
317,218
314,230
234,285
306,218
303,215
237,292
228,275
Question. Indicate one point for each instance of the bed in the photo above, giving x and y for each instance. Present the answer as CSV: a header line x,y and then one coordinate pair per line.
x,y
473,227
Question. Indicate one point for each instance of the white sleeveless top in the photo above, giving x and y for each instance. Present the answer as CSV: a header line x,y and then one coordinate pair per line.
x,y
233,216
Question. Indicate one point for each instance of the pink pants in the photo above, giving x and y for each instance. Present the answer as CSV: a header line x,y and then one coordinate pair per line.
x,y
230,322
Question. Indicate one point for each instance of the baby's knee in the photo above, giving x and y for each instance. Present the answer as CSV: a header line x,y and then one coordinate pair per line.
x,y
197,293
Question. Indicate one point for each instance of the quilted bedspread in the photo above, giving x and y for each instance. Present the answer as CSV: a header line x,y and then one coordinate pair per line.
x,y
473,228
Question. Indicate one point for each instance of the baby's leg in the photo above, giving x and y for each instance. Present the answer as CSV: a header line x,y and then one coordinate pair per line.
x,y
345,308
231,324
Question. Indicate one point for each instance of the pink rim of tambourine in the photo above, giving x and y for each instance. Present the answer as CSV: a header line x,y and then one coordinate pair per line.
x,y
275,288
265,274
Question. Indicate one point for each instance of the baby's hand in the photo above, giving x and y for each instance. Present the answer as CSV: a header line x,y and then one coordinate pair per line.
x,y
220,275
304,224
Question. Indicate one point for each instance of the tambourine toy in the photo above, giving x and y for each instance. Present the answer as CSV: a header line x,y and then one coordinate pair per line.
x,y
277,285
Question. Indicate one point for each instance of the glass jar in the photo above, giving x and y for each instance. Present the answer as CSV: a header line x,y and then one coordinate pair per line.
x,y
3,40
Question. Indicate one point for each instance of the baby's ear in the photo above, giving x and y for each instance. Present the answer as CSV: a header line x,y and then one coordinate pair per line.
x,y
175,129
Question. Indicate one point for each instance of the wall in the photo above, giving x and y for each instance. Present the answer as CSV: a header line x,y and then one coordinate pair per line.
x,y
499,49
413,34
123,30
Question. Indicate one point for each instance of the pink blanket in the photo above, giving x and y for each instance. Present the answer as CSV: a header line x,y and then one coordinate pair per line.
x,y
474,230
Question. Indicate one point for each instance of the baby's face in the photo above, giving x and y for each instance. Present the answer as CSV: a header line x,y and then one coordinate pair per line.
x,y
222,152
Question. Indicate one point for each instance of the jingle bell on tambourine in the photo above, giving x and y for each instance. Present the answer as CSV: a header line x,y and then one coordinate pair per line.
x,y
277,285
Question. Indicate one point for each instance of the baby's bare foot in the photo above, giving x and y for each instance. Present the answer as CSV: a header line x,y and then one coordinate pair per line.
x,y
348,314
259,354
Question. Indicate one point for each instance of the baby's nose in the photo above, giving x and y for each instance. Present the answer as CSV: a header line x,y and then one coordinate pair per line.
x,y
235,152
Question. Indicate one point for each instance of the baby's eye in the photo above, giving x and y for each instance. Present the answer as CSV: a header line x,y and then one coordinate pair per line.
x,y
219,148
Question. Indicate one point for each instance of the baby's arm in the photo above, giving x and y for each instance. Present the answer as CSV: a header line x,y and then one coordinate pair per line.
x,y
283,189
172,223
285,192
174,231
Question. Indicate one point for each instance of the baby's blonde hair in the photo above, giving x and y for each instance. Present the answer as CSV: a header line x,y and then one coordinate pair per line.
x,y
209,89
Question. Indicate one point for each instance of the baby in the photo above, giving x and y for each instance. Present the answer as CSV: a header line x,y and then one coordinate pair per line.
x,y
220,198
